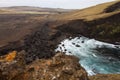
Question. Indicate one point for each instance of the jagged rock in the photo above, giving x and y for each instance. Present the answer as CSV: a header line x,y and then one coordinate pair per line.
x,y
77,45
60,67
13,65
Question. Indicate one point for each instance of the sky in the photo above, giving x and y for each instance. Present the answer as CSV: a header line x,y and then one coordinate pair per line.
x,y
66,4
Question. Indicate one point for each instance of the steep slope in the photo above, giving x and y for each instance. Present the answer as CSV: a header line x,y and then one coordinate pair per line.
x,y
112,8
91,13
18,22
94,22
105,29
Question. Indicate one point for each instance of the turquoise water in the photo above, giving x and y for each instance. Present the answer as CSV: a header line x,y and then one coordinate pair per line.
x,y
95,56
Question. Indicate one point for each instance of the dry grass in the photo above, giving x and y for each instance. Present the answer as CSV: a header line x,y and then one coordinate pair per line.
x,y
98,16
21,12
89,13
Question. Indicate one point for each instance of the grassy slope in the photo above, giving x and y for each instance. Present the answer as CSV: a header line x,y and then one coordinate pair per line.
x,y
16,22
90,13
14,27
101,25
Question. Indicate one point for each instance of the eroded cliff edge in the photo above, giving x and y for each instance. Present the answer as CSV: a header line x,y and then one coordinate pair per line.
x,y
59,67
41,43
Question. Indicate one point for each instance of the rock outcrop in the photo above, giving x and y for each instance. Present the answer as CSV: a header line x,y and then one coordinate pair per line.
x,y
60,67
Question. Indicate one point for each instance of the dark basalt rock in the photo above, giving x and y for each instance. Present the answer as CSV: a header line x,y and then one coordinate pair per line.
x,y
73,43
77,45
40,44
82,42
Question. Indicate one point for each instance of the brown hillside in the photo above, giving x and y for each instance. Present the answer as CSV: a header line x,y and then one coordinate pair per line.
x,y
92,13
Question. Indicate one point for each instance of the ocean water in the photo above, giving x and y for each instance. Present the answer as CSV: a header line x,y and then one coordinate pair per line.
x,y
95,56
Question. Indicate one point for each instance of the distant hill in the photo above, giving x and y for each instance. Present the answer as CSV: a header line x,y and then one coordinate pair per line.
x,y
33,10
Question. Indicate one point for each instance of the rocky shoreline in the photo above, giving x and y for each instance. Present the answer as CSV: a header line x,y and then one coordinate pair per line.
x,y
33,57
60,67
39,46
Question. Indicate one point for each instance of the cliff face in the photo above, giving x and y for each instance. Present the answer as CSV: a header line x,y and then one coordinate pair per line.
x,y
60,67
107,29
102,24
103,29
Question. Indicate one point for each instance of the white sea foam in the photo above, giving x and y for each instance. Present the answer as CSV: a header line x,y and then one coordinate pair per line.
x,y
89,51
